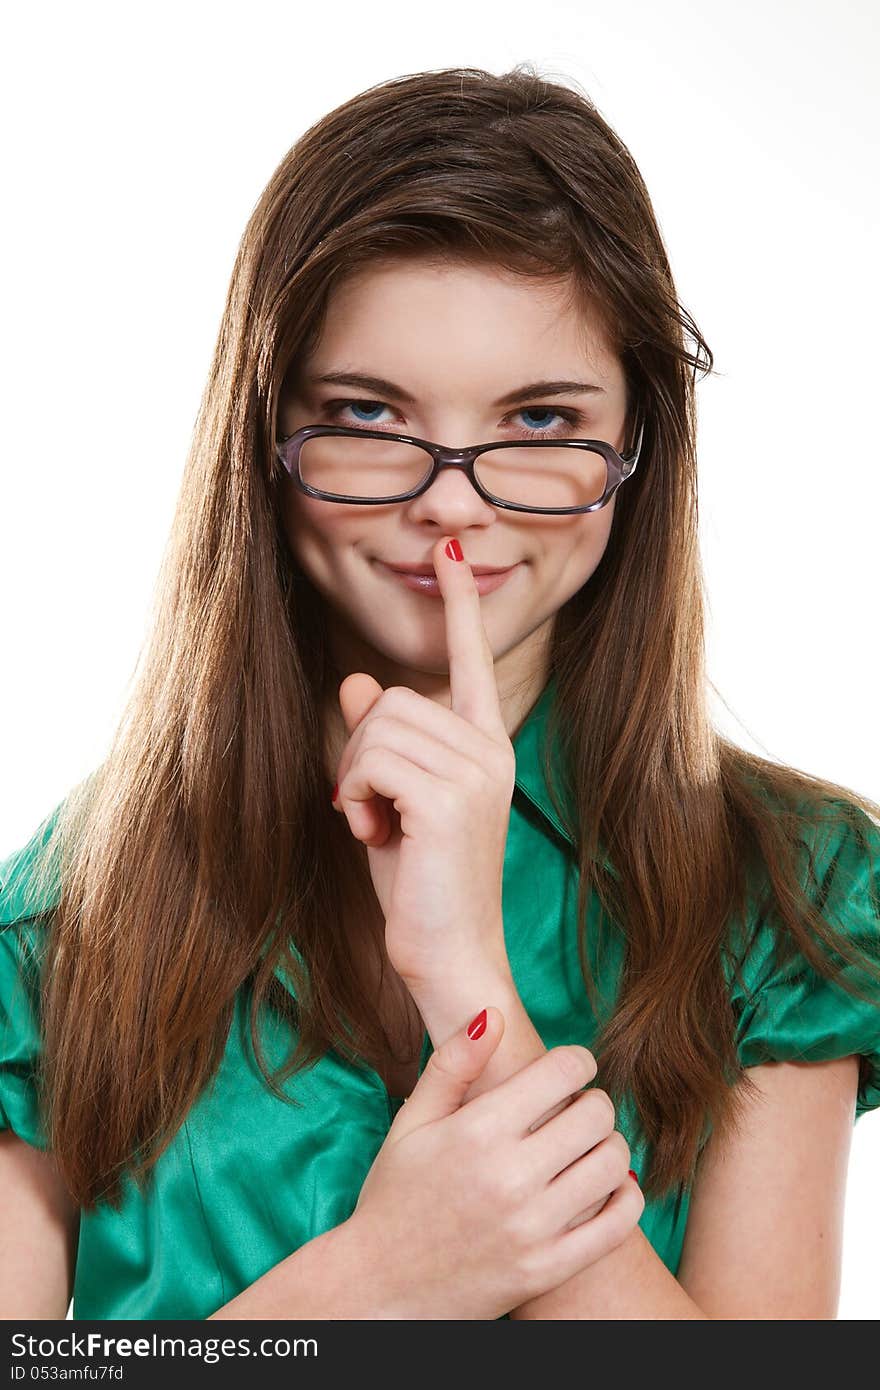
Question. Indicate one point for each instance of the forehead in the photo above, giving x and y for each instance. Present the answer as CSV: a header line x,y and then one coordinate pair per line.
x,y
402,316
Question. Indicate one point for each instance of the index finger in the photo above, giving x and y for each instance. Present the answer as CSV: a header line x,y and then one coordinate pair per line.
x,y
472,684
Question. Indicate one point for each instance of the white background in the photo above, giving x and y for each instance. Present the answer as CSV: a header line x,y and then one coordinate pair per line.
x,y
138,141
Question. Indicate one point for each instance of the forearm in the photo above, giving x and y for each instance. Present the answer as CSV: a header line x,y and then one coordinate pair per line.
x,y
325,1278
631,1281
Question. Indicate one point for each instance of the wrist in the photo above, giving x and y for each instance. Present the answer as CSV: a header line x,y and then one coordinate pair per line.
x,y
373,1289
450,1004
449,1001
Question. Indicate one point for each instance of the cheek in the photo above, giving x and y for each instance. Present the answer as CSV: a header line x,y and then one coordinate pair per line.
x,y
580,549
311,525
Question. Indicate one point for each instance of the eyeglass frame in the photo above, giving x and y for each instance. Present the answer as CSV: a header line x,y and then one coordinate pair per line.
x,y
618,468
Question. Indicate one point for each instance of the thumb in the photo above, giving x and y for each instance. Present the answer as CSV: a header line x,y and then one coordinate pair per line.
x,y
449,1073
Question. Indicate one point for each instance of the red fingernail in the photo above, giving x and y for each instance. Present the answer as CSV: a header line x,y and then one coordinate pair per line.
x,y
335,792
633,1174
477,1026
453,550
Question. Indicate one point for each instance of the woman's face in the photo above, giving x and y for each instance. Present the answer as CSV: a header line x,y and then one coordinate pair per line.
x,y
455,339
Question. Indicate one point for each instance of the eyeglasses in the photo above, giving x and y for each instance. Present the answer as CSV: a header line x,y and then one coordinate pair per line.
x,y
337,463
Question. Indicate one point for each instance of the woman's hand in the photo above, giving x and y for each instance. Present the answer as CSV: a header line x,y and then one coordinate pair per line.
x,y
428,790
470,1210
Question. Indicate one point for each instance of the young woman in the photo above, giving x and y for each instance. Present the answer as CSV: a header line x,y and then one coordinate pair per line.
x,y
219,985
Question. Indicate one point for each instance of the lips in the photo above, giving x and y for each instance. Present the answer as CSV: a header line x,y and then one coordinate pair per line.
x,y
429,569
425,582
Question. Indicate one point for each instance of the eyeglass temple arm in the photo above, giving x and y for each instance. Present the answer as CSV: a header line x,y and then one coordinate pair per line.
x,y
631,459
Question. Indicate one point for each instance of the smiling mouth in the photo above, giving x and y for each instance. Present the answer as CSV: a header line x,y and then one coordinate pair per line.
x,y
429,569
429,585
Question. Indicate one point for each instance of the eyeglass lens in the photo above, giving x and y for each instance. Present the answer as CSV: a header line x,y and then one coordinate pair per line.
x,y
546,476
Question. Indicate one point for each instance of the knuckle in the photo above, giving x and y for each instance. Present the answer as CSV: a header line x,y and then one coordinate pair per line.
x,y
588,1214
608,1168
511,1186
436,1067
598,1206
447,799
600,1100
519,1227
589,1062
570,1063
396,695
635,1195
531,1271
530,1260
478,1131
623,1153
378,727
368,757
620,1216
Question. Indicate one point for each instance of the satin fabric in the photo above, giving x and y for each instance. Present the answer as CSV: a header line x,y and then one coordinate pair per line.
x,y
248,1178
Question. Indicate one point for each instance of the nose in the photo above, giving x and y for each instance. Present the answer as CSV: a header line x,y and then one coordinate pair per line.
x,y
451,501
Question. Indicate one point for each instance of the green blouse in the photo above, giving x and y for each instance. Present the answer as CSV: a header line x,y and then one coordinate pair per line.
x,y
249,1178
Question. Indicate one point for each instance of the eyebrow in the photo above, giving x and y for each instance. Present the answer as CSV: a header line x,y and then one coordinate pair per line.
x,y
387,388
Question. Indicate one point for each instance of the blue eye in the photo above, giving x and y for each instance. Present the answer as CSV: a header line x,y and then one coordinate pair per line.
x,y
571,419
539,410
357,405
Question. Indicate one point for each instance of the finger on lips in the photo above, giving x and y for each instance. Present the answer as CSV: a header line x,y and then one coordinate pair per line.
x,y
472,682
473,687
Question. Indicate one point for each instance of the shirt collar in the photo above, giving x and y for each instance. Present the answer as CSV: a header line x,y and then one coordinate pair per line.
x,y
528,743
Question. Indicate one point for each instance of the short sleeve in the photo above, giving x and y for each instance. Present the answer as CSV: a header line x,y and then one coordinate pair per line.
x,y
25,908
20,1032
790,1011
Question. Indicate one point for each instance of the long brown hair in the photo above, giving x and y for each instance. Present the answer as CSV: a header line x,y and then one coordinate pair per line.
x,y
204,845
